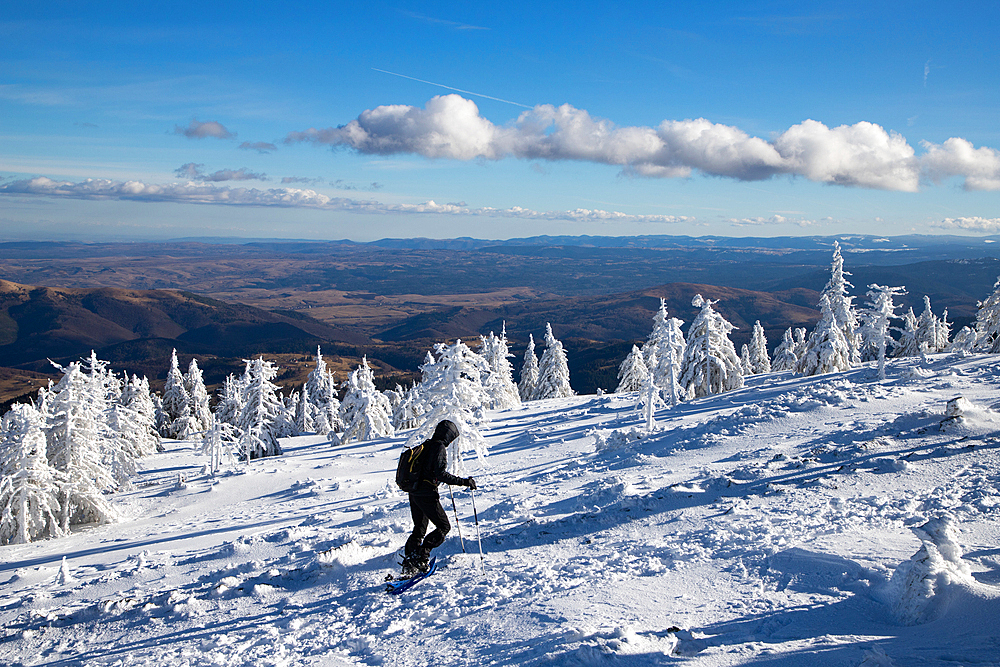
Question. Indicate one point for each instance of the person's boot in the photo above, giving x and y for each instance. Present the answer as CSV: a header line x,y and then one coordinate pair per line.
x,y
410,565
421,559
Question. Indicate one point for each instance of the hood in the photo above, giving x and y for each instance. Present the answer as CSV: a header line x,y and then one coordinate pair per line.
x,y
446,431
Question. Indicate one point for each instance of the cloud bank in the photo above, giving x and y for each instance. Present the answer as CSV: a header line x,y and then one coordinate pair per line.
x,y
199,130
194,172
205,193
259,146
974,224
861,155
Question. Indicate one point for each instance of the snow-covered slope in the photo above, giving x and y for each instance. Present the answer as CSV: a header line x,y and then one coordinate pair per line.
x,y
830,520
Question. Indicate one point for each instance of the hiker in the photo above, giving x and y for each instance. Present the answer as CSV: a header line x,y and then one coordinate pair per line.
x,y
425,503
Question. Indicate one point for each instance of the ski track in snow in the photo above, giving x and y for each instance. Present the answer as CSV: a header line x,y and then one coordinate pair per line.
x,y
760,526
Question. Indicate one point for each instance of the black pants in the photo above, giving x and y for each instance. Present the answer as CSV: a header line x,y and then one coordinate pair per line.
x,y
426,508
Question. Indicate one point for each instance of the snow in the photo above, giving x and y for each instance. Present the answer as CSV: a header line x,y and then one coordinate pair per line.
x,y
827,520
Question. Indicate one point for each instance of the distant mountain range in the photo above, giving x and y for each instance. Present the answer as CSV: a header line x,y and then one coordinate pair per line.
x,y
393,298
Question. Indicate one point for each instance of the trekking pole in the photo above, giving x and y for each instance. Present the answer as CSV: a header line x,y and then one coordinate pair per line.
x,y
482,558
457,523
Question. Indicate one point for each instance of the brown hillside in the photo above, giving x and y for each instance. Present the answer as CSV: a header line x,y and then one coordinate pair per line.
x,y
59,323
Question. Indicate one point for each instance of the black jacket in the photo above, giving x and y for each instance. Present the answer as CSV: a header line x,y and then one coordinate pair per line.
x,y
435,460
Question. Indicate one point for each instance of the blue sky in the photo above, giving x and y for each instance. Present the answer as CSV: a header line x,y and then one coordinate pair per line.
x,y
372,120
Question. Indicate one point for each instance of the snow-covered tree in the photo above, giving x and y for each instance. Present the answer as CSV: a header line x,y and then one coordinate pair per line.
x,y
876,318
987,324
907,344
303,412
262,408
499,383
230,403
827,350
453,375
322,388
784,354
176,401
219,444
452,389
76,446
194,385
553,370
760,361
666,344
964,341
665,337
632,373
407,414
29,486
841,305
137,398
650,399
365,411
529,372
710,364
745,360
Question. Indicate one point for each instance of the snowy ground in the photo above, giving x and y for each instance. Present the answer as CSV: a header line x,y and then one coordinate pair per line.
x,y
780,525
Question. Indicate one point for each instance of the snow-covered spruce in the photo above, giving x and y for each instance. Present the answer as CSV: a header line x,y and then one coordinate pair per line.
x,y
499,383
784,355
553,370
710,365
529,372
876,318
827,350
365,411
632,373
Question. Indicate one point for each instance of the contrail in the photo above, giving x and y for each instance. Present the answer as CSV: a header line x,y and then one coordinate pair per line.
x,y
457,90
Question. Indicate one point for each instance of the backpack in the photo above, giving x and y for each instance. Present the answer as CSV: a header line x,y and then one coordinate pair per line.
x,y
409,468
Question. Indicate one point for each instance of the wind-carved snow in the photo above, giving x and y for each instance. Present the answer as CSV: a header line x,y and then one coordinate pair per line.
x,y
831,520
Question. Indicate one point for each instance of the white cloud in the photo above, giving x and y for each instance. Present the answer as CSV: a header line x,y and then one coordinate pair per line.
x,y
957,157
204,193
199,130
860,155
773,220
194,172
974,224
259,146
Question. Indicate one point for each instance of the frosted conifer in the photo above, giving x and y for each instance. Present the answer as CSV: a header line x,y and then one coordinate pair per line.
x,y
29,487
745,360
76,447
322,389
261,411
632,373
827,350
907,344
529,372
553,370
876,318
303,412
175,396
760,361
987,324
784,355
194,384
710,364
499,384
841,304
365,410
137,398
230,403
219,444
408,414
666,343
650,399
